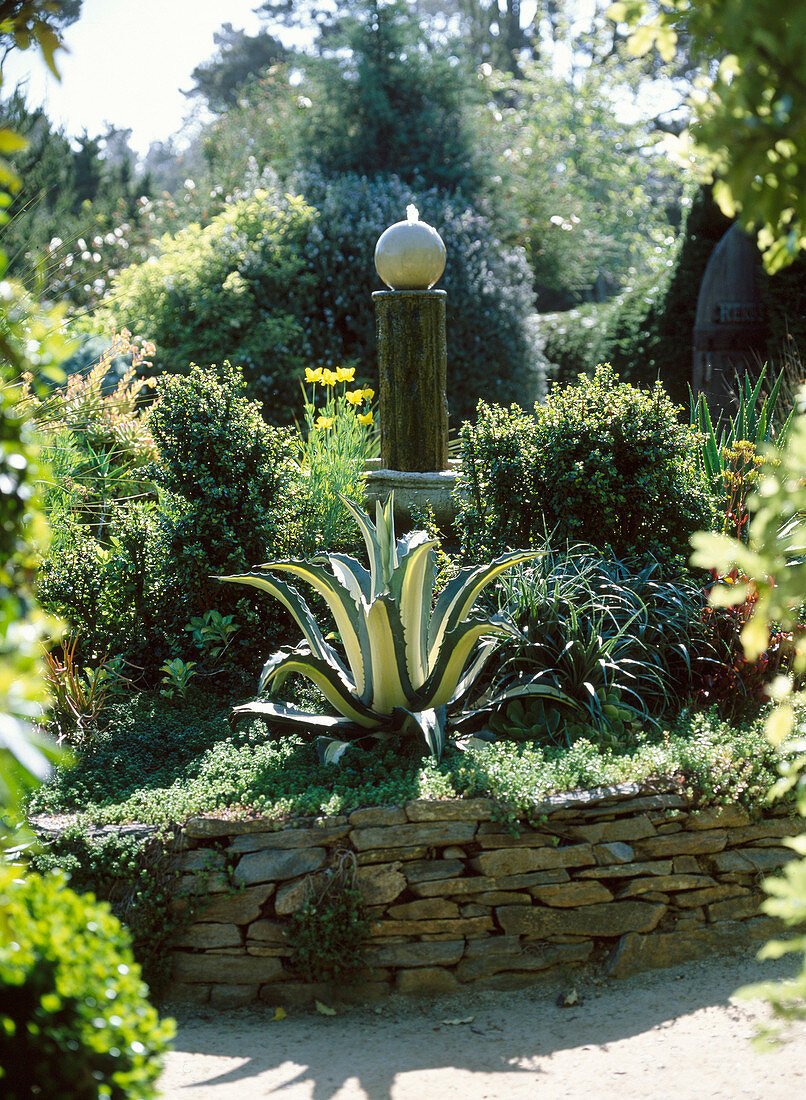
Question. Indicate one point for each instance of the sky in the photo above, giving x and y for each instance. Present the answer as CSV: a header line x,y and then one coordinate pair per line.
x,y
128,61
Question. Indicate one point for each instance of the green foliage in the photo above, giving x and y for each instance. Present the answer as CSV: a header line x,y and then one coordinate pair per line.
x,y
73,1006
138,876
157,761
748,117
593,199
333,454
386,101
405,663
240,60
176,677
571,340
326,934
729,456
601,462
226,481
236,289
618,643
775,569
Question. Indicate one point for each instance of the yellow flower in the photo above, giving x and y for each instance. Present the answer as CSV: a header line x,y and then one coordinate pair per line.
x,y
324,422
330,377
313,375
365,418
345,374
354,397
368,393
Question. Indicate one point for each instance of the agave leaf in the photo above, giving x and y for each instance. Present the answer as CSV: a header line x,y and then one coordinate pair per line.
x,y
533,689
391,686
333,684
329,750
272,671
291,599
431,724
349,620
385,535
473,671
452,656
284,714
350,573
412,586
368,533
459,596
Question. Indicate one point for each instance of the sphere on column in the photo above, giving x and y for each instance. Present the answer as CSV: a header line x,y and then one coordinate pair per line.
x,y
410,255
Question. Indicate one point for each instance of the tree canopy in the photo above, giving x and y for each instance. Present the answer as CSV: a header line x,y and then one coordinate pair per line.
x,y
748,132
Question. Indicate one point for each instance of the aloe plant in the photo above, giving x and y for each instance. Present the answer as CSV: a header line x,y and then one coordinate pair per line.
x,y
404,664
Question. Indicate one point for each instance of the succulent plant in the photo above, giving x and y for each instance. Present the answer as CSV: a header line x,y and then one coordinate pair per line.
x,y
405,664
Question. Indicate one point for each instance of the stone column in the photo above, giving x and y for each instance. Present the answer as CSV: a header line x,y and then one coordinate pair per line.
x,y
412,365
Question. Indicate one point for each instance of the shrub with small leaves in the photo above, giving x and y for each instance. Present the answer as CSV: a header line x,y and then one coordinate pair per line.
x,y
227,481
74,1014
601,461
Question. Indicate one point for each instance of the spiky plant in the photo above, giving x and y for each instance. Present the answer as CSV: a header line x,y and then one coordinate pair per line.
x,y
404,664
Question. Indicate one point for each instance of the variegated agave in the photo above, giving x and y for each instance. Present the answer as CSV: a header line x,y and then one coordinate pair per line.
x,y
404,665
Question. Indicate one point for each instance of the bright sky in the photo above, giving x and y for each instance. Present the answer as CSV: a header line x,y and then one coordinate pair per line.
x,y
128,60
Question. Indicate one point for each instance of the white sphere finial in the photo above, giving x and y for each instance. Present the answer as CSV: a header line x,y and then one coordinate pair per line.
x,y
410,255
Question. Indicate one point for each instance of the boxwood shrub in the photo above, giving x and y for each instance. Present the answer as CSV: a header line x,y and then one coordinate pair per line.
x,y
602,462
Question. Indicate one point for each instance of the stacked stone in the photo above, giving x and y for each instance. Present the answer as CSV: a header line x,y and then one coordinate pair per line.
x,y
620,877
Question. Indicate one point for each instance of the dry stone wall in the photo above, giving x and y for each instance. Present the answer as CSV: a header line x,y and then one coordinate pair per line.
x,y
621,878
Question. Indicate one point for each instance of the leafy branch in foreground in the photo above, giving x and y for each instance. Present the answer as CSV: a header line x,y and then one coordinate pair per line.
x,y
774,562
405,665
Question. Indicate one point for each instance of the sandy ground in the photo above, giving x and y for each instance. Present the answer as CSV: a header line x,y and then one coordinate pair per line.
x,y
677,1032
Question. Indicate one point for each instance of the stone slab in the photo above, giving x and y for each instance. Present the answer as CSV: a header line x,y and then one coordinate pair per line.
x,y
266,931
694,843
201,827
429,869
760,860
637,886
239,908
567,895
424,909
425,981
233,996
463,926
206,936
432,833
465,809
635,953
540,958
612,919
380,883
393,855
289,838
461,887
277,865
378,815
517,861
229,969
603,832
628,870
438,953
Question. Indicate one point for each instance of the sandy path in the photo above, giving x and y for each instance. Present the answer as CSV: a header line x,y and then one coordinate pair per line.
x,y
670,1032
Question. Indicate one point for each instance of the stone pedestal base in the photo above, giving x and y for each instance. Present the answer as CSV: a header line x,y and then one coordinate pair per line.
x,y
413,490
